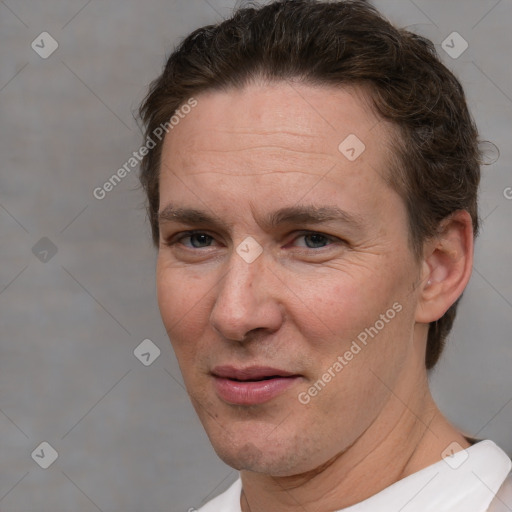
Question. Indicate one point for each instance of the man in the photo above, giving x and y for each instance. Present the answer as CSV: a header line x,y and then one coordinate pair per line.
x,y
313,202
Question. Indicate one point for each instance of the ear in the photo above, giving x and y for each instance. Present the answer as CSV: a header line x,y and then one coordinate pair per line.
x,y
446,267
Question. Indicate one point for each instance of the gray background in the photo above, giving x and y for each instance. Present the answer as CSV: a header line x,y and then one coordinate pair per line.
x,y
126,436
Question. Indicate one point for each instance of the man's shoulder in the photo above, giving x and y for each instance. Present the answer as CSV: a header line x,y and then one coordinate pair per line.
x,y
228,501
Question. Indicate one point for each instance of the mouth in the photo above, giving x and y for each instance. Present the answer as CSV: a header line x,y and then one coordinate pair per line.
x,y
251,386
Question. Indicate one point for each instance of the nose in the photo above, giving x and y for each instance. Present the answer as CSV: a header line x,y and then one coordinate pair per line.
x,y
247,300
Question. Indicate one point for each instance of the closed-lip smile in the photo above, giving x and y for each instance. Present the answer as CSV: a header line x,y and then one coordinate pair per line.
x,y
251,385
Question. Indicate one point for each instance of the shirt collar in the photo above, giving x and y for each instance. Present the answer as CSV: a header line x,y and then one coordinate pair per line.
x,y
464,482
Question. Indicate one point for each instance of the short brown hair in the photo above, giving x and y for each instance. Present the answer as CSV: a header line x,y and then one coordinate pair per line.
x,y
437,160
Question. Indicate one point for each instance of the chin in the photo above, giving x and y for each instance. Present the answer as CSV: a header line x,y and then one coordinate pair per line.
x,y
262,456
245,457
253,443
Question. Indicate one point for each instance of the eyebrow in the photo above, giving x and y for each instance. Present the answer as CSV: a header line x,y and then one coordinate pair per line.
x,y
298,214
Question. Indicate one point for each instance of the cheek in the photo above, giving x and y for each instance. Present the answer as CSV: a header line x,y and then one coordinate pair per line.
x,y
183,301
356,330
338,305
352,351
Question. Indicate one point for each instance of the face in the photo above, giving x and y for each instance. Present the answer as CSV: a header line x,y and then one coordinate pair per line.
x,y
284,276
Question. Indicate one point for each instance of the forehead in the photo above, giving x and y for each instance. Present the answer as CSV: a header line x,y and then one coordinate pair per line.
x,y
241,153
290,123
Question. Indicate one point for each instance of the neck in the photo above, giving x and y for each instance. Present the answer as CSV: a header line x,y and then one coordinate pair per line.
x,y
409,435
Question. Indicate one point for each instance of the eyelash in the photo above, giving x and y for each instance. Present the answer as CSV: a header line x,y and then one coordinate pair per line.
x,y
188,234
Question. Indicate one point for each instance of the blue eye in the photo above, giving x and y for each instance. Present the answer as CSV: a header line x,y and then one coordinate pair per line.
x,y
201,240
317,240
197,240
314,240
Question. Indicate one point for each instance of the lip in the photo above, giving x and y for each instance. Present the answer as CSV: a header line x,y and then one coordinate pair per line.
x,y
252,385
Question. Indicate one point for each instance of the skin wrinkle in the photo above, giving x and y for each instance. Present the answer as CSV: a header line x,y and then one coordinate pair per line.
x,y
249,175
299,309
261,146
240,174
269,133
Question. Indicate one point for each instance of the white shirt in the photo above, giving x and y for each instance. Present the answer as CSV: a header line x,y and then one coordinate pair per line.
x,y
465,482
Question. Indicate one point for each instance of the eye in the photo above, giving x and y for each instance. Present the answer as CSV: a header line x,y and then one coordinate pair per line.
x,y
201,240
193,240
314,240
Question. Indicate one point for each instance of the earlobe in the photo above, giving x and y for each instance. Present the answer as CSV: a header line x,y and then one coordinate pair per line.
x,y
448,260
